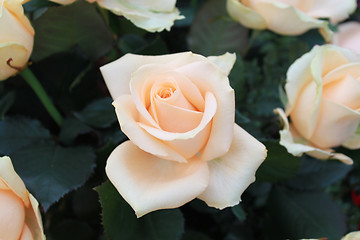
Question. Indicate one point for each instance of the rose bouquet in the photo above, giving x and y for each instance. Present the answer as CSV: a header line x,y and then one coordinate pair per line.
x,y
179,120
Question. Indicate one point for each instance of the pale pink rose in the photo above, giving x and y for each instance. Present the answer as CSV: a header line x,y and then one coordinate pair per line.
x,y
348,36
16,38
352,236
289,17
19,213
323,90
178,112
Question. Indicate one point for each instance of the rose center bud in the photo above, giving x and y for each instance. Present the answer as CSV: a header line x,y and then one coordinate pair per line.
x,y
171,109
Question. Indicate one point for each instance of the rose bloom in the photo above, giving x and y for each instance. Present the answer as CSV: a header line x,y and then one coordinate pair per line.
x,y
348,36
153,16
289,17
16,38
352,236
19,213
178,112
323,90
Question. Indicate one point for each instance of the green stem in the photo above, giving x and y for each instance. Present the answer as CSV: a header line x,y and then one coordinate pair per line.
x,y
34,83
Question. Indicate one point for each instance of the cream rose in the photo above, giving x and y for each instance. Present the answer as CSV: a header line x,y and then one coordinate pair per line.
x,y
153,16
64,2
19,213
323,90
178,112
352,236
16,38
289,17
348,36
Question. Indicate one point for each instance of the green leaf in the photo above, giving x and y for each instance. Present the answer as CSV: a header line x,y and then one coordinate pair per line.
x,y
16,133
50,171
5,103
78,24
279,164
298,215
99,113
317,174
71,128
214,33
120,222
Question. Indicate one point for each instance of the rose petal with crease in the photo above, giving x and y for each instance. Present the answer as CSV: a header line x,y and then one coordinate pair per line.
x,y
210,79
149,183
245,15
333,114
296,145
344,91
225,62
297,22
128,118
153,16
232,173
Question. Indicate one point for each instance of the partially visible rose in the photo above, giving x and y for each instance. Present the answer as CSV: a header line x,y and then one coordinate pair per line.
x,y
323,90
288,17
352,236
348,36
178,112
153,16
16,38
19,213
63,2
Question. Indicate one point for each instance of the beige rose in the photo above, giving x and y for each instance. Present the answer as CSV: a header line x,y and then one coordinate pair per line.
x,y
16,38
19,213
153,16
289,17
178,112
63,2
352,236
348,36
323,90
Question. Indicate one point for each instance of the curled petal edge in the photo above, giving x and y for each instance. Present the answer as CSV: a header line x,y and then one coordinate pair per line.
x,y
297,145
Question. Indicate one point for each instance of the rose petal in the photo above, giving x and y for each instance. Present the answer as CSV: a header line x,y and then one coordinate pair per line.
x,y
149,183
297,145
12,179
117,74
348,36
33,219
297,22
175,119
354,141
245,15
334,114
344,91
191,142
155,19
17,52
128,117
12,215
232,173
332,9
210,79
26,234
338,73
64,2
225,62
298,76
